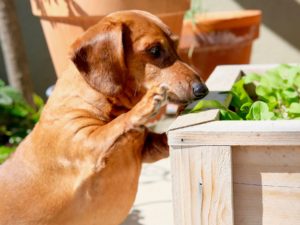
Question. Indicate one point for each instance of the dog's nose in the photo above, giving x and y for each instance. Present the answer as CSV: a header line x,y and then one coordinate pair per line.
x,y
200,90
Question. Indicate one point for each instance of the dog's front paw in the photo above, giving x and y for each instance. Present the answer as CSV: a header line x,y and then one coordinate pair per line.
x,y
150,105
159,99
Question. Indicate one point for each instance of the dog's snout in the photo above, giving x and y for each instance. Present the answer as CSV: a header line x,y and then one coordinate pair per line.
x,y
200,90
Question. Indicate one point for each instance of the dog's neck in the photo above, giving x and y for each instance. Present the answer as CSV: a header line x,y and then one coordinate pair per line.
x,y
125,101
71,85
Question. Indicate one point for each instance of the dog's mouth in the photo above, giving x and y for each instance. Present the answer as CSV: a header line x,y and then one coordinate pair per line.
x,y
182,104
178,102
173,98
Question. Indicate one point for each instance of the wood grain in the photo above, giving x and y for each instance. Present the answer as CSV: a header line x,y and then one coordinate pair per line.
x,y
202,185
194,118
266,185
266,205
277,166
235,133
181,188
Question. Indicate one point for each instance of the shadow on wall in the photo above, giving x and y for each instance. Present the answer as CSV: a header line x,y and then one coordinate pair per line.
x,y
281,16
133,218
73,8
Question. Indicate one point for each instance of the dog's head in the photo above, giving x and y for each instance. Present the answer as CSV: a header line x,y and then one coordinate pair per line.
x,y
135,50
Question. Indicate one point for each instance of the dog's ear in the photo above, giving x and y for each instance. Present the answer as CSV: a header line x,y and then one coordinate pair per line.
x,y
99,56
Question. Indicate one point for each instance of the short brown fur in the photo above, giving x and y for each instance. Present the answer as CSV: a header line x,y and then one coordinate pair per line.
x,y
81,163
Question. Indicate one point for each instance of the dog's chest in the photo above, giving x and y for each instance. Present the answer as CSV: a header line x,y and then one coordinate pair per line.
x,y
109,194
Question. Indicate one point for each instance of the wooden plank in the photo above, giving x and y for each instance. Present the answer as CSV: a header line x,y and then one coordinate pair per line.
x,y
234,133
248,126
202,185
181,186
267,165
194,118
217,194
266,185
223,78
266,205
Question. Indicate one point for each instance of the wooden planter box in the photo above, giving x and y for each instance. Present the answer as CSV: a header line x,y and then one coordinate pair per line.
x,y
234,172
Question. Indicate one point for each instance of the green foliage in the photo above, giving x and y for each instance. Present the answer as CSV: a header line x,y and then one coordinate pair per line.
x,y
259,111
5,152
207,104
17,118
276,95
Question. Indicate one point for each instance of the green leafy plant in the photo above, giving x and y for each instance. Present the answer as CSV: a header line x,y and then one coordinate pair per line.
x,y
270,96
17,118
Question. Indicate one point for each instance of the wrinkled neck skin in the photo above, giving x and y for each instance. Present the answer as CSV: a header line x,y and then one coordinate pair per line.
x,y
71,87
126,100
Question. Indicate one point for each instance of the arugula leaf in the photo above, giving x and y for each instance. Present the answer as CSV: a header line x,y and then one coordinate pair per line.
x,y
207,104
294,108
229,115
272,103
264,92
290,95
239,95
260,111
288,72
251,78
272,79
244,110
296,81
225,113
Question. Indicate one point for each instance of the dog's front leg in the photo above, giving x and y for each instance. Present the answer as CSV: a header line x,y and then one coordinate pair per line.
x,y
156,147
107,136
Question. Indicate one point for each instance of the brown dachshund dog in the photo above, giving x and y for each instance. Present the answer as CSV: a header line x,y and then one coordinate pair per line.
x,y
81,163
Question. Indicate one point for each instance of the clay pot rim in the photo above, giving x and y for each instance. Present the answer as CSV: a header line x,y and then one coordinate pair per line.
x,y
93,17
223,20
218,47
60,8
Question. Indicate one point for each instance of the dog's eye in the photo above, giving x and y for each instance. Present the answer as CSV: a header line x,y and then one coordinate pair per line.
x,y
155,51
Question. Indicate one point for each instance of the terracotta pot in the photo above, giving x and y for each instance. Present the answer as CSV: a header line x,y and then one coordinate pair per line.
x,y
219,38
64,20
